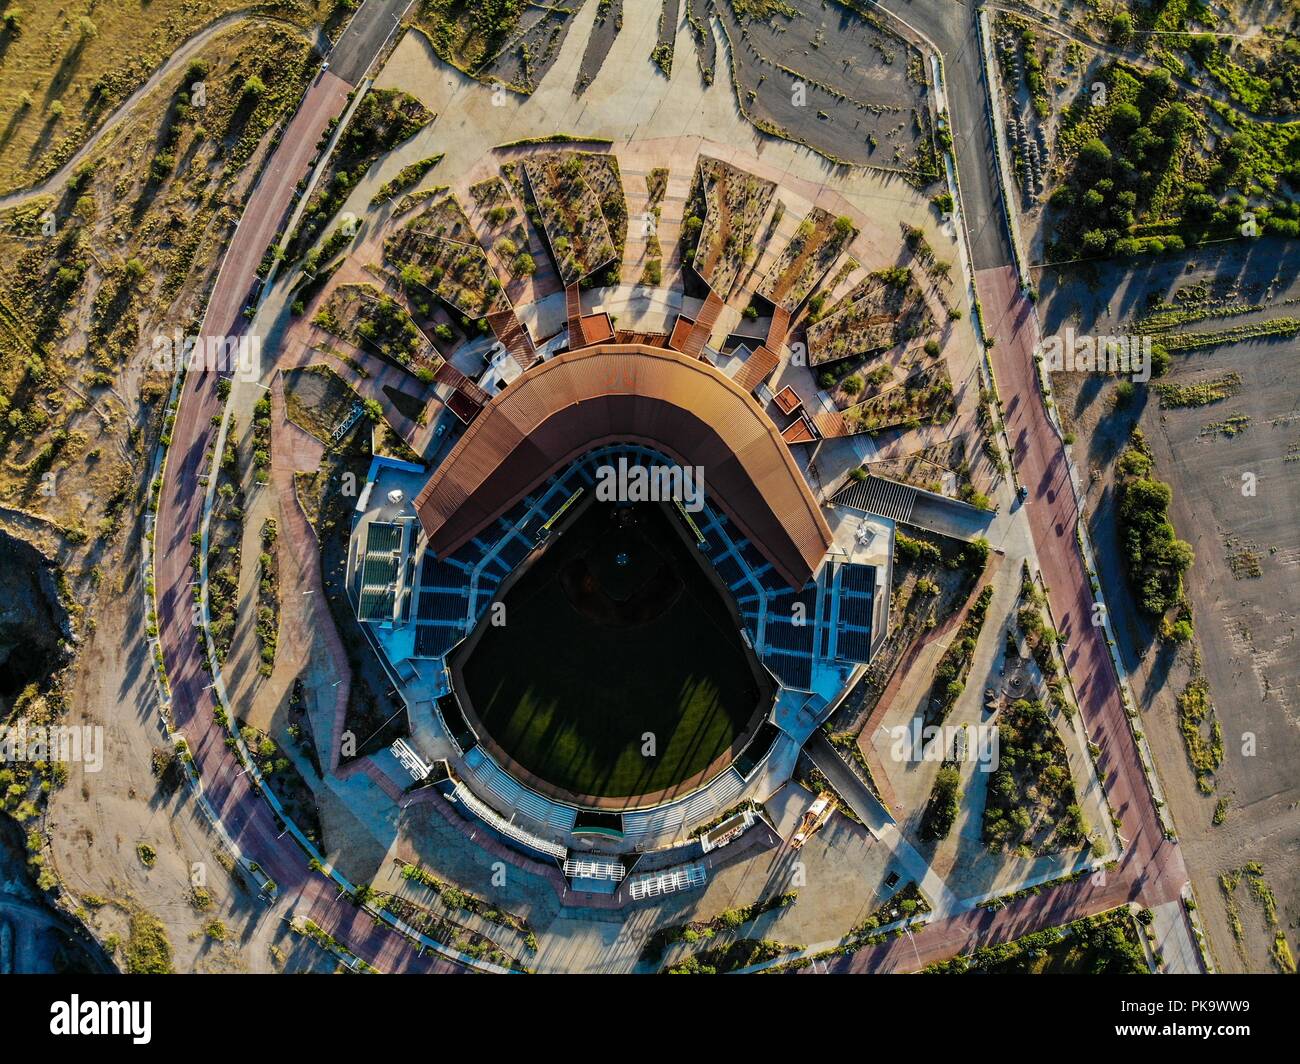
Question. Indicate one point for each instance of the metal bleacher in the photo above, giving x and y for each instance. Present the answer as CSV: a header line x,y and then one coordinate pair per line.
x,y
877,495
586,868
653,826
507,828
716,797
381,566
667,882
514,795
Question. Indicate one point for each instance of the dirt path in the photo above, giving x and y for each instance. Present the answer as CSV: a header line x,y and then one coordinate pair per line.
x,y
101,816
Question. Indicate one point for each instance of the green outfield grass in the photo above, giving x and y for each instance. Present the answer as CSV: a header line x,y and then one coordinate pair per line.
x,y
616,631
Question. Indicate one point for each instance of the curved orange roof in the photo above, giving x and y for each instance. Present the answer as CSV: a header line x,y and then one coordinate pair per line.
x,y
629,393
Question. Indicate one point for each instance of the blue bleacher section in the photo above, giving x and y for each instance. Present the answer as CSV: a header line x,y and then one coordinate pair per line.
x,y
835,608
454,592
857,595
793,670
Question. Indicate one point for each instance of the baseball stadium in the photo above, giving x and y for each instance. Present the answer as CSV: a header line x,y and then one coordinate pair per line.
x,y
614,608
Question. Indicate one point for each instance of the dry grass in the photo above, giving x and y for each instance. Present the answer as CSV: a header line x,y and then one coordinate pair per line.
x,y
317,399
55,61
80,310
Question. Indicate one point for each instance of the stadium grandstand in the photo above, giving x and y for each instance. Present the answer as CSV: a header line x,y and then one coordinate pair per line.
x,y
811,611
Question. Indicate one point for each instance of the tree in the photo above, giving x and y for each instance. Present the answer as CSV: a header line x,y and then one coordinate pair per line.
x,y
1159,82
1094,242
1124,119
1200,206
374,411
254,88
1202,47
944,804
1175,119
975,554
412,277
1094,156
1121,28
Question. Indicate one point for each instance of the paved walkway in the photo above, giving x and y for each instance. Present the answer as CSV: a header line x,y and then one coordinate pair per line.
x,y
304,614
1174,943
850,787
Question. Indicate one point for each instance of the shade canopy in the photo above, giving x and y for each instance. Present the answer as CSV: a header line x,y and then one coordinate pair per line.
x,y
629,393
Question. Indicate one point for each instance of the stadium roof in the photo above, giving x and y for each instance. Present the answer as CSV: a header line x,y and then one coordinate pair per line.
x,y
629,393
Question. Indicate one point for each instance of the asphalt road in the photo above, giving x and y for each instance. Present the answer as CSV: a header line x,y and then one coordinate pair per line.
x,y
1153,863
951,27
1151,869
364,38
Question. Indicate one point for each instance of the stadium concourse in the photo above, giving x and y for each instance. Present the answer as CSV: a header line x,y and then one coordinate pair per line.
x,y
433,561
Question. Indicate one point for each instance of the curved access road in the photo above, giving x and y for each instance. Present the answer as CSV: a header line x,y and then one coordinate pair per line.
x,y
1150,870
950,27
243,813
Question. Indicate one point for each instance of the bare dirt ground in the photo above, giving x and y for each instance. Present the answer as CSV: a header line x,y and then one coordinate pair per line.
x,y
97,820
831,79
1246,626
